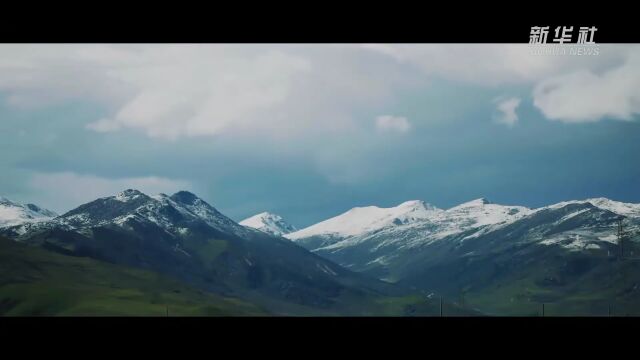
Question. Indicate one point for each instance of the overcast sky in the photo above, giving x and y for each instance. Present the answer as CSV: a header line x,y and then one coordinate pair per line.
x,y
310,131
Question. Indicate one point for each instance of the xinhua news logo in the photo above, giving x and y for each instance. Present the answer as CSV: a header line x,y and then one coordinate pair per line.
x,y
562,41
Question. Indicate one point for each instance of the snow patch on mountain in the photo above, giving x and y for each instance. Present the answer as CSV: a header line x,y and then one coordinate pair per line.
x,y
13,213
361,220
410,224
579,240
269,223
128,195
481,212
620,208
415,223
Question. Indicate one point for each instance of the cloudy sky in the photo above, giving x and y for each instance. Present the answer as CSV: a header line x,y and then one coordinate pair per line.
x,y
309,131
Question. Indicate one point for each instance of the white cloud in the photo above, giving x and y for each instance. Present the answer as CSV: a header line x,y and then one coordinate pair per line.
x,y
198,92
296,97
565,88
586,96
178,90
172,91
63,191
391,123
507,111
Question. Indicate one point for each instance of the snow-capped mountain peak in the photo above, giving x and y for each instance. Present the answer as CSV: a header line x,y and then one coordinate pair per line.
x,y
361,220
481,212
410,223
270,223
617,207
128,195
415,205
14,213
620,208
474,203
203,211
186,197
171,213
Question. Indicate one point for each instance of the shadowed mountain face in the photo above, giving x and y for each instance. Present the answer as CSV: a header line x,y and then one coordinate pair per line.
x,y
184,237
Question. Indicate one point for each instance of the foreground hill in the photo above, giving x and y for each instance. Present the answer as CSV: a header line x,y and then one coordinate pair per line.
x,y
34,281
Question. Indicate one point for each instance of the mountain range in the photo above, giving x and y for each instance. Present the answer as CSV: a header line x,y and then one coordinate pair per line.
x,y
502,259
184,238
577,257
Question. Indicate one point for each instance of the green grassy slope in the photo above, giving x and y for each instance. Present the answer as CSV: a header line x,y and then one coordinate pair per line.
x,y
34,281
38,282
572,285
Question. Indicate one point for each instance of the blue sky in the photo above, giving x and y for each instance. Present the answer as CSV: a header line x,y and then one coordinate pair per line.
x,y
309,131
